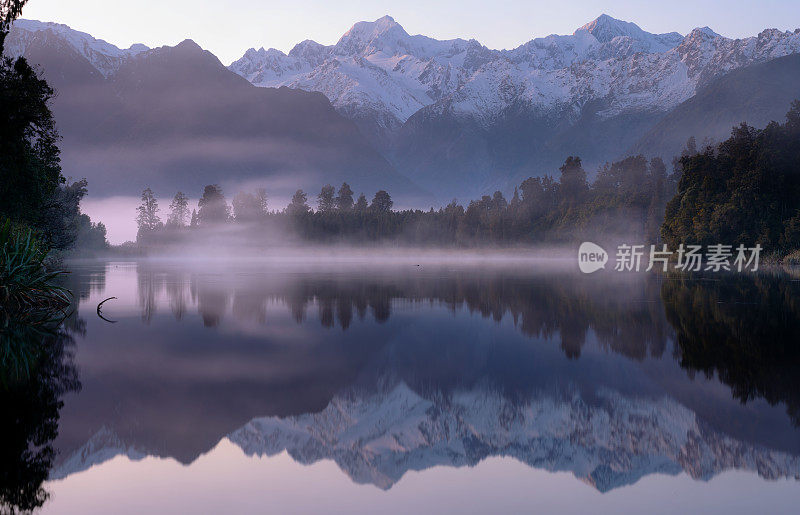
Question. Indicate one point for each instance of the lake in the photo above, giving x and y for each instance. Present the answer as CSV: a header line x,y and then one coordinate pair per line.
x,y
471,387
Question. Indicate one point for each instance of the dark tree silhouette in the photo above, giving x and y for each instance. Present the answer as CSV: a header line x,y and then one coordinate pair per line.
x,y
30,167
325,199
148,219
381,202
746,190
31,399
743,330
360,206
344,201
10,10
178,211
299,204
574,184
212,207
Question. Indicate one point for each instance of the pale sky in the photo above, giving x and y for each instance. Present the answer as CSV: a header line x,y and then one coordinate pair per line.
x,y
229,28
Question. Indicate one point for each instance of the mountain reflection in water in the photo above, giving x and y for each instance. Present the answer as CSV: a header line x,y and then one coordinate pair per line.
x,y
611,377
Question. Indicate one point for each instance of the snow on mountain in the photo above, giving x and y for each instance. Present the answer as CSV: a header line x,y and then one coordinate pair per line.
x,y
377,437
617,71
377,71
377,67
102,446
268,66
608,444
105,57
605,29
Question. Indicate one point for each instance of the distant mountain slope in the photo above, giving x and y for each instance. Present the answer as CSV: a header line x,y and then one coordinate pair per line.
x,y
175,118
756,94
453,117
461,119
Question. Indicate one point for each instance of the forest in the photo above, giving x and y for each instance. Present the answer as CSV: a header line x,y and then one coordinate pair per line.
x,y
743,190
746,189
627,198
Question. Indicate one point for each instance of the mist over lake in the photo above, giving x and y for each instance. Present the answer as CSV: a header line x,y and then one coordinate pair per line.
x,y
399,257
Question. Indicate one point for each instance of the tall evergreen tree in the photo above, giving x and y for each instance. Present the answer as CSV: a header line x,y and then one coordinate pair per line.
x,y
299,204
381,202
744,191
30,165
148,219
178,211
574,184
325,199
360,206
344,201
212,207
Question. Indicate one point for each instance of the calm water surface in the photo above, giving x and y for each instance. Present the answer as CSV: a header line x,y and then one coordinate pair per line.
x,y
254,388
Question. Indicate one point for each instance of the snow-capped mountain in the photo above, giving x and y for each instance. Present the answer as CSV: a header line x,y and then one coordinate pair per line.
x,y
377,66
460,119
105,57
607,444
138,117
377,437
605,29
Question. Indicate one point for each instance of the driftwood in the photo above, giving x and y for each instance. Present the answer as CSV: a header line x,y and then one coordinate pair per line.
x,y
101,316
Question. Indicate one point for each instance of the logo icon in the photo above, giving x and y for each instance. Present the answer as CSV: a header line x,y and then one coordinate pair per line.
x,y
591,257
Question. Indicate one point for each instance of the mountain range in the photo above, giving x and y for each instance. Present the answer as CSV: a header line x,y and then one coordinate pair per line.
x,y
452,117
174,118
608,442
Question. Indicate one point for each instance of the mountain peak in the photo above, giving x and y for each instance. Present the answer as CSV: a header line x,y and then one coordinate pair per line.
x,y
381,34
603,19
138,48
189,45
310,51
384,23
374,28
707,31
104,56
605,28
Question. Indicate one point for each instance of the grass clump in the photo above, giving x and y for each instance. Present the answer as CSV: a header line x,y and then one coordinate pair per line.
x,y
26,283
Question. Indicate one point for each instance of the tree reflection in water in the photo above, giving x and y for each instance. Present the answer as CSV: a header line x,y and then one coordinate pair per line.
x,y
743,328
624,313
36,371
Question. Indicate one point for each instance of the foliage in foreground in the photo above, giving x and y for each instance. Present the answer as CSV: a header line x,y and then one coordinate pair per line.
x,y
26,283
33,191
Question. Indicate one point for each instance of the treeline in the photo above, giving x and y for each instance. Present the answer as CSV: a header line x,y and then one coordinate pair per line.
x,y
744,190
33,192
627,198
